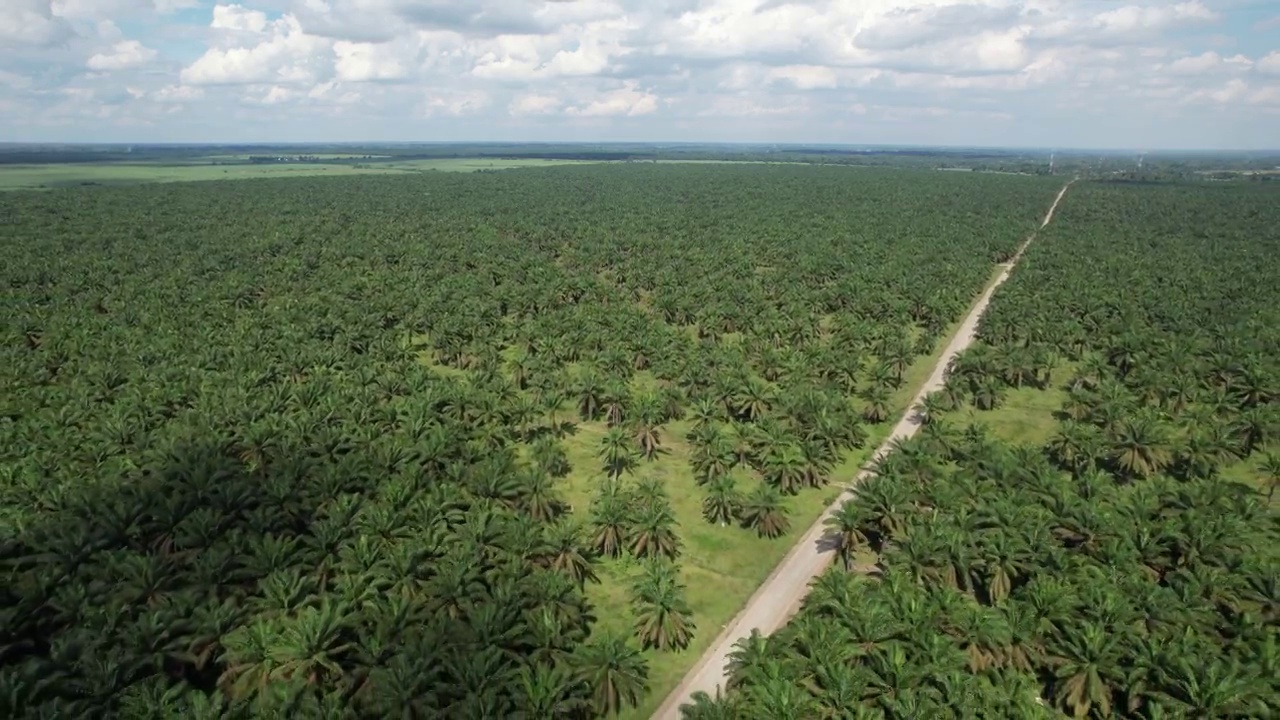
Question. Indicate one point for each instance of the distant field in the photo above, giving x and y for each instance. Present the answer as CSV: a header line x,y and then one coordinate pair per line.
x,y
28,177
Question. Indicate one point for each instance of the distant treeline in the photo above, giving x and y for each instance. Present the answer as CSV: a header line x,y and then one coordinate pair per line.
x,y
1157,166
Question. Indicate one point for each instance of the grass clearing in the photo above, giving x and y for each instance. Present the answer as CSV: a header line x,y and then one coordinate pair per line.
x,y
1024,415
37,177
722,566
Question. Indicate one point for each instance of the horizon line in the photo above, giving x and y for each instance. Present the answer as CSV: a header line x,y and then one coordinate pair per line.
x,y
659,143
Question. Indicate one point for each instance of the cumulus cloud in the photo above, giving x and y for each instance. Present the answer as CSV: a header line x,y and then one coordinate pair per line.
x,y
31,23
455,103
177,94
123,55
797,64
280,53
902,28
805,77
357,62
1270,64
625,101
238,17
534,104
1209,62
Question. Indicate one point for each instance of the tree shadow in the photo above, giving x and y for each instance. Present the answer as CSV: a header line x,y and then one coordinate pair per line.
x,y
140,584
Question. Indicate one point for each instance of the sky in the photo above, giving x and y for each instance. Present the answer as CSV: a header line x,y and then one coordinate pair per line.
x,y
1146,75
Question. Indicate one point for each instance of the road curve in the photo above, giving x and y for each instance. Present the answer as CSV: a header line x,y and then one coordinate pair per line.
x,y
779,597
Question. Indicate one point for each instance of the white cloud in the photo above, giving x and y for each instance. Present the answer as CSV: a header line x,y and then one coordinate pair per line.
x,y
279,94
454,103
164,7
357,62
1269,65
283,54
534,104
625,101
904,27
31,23
14,80
736,28
1229,92
811,66
805,77
1209,62
238,17
737,106
177,94
123,55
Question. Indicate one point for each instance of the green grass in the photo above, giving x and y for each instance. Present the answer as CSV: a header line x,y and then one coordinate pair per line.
x,y
30,177
1025,415
722,566
1029,415
473,164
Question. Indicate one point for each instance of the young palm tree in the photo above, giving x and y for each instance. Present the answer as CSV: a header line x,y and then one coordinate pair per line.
x,y
1076,445
714,458
931,407
616,674
663,619
765,512
876,409
614,401
988,393
848,523
647,422
1140,447
754,399
1084,661
702,706
566,552
610,522
539,498
783,466
617,452
1269,467
652,533
547,692
548,454
723,501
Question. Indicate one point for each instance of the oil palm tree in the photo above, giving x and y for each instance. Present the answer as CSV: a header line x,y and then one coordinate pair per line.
x,y
566,553
765,511
723,501
663,619
847,525
610,523
652,533
876,409
1084,661
617,452
783,466
1140,447
616,675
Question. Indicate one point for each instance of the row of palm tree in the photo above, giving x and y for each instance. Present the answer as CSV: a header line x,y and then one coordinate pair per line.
x,y
302,448
1127,566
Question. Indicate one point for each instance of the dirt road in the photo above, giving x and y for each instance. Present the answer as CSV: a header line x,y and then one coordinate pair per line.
x,y
779,597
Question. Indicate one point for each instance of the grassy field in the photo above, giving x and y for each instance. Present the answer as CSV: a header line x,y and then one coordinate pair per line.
x,y
1030,416
722,566
30,177
1025,415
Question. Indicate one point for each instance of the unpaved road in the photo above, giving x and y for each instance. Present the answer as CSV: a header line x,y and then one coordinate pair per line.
x,y
779,597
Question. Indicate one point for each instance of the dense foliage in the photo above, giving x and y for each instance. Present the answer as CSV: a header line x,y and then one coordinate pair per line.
x,y
294,448
1118,571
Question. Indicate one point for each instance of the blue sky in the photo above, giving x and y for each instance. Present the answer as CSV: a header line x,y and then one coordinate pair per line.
x,y
1150,74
